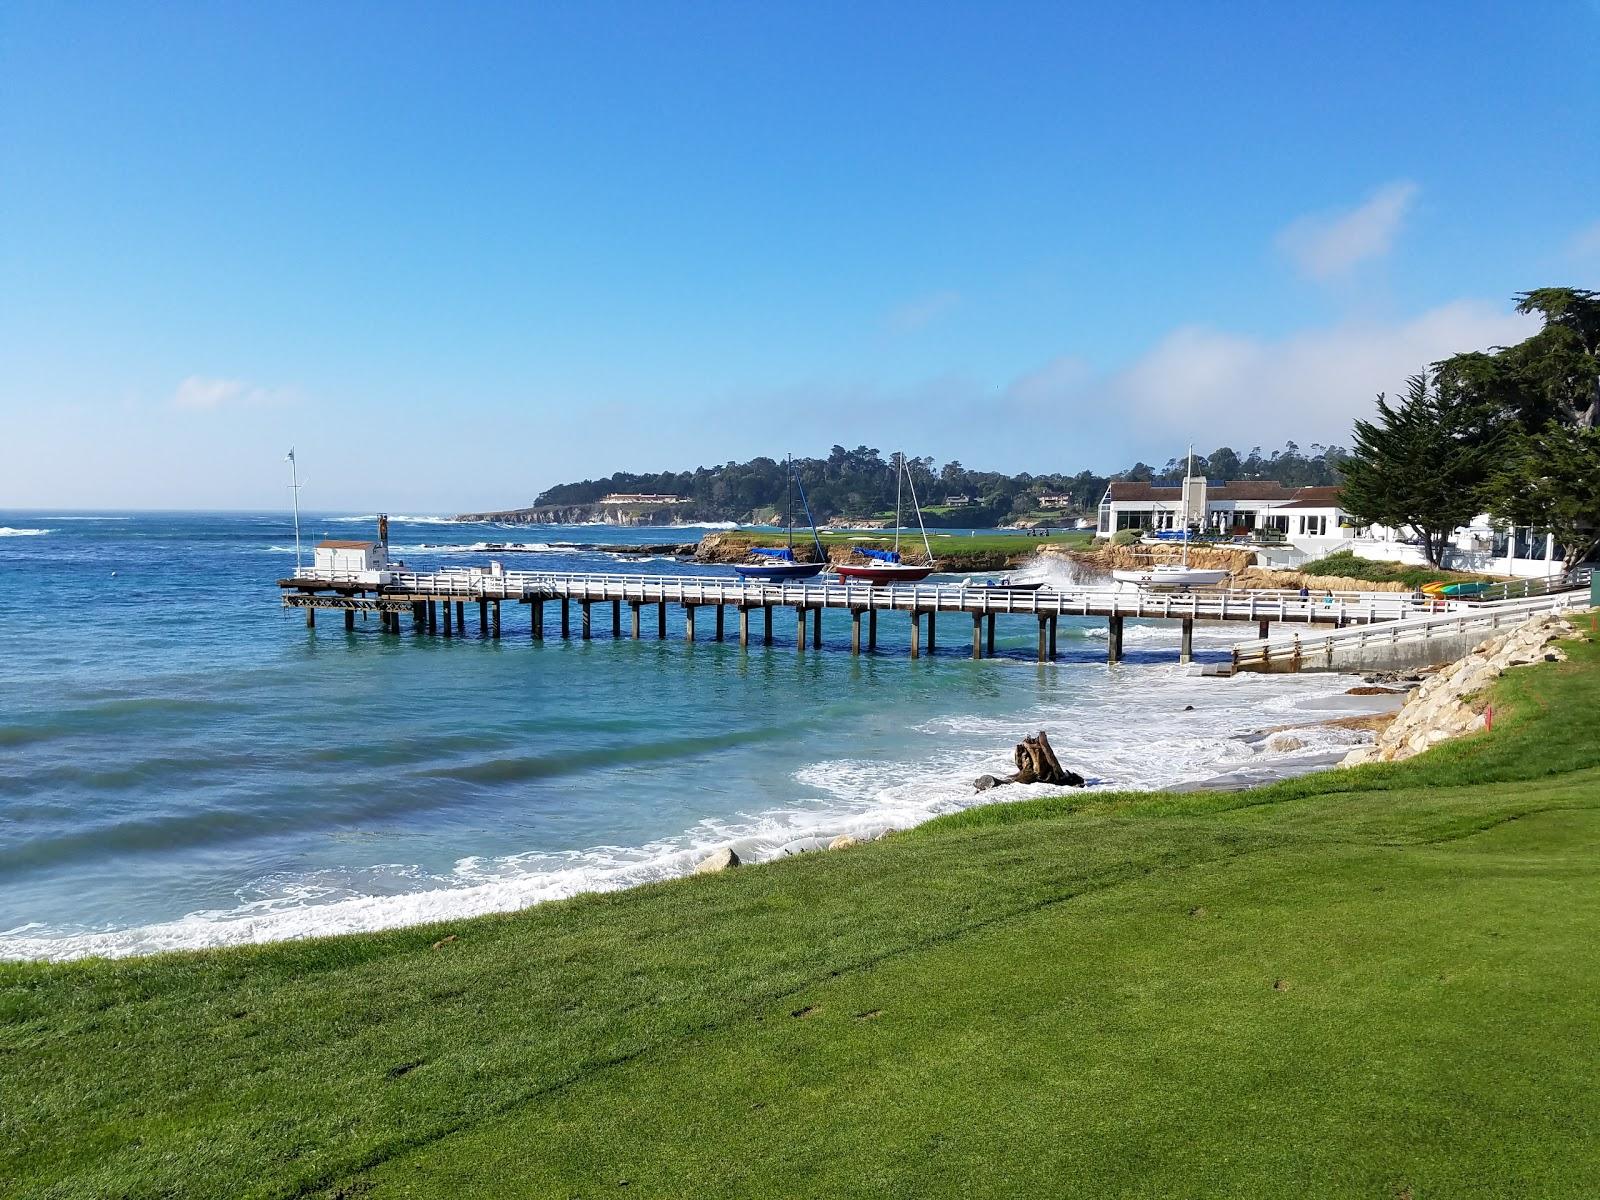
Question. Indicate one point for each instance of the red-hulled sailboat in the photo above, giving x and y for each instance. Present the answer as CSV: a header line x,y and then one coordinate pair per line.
x,y
884,566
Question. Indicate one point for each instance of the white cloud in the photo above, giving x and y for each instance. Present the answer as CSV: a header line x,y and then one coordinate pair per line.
x,y
1325,246
1203,384
921,312
200,393
1586,242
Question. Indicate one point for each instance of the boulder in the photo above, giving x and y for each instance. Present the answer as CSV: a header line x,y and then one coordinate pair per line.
x,y
1280,743
843,842
984,782
719,860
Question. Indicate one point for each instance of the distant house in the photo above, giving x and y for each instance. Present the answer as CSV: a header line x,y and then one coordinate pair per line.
x,y
641,498
1056,501
958,501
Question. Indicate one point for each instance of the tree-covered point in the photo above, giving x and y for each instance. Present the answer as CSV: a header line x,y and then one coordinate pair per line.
x,y
861,483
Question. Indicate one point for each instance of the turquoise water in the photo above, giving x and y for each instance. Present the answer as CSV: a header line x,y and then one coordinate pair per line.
x,y
183,763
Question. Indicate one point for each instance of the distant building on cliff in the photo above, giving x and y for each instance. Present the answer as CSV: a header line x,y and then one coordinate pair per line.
x,y
641,498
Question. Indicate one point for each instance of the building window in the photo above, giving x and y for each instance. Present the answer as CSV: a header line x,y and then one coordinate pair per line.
x,y
1313,526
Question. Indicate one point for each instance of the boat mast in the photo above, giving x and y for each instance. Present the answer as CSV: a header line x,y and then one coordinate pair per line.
x,y
1187,472
788,502
294,490
901,456
916,504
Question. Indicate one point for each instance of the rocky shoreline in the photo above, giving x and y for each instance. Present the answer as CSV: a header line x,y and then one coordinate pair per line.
x,y
1449,703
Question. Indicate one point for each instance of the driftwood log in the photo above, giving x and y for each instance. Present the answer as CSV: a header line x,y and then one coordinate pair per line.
x,y
1036,763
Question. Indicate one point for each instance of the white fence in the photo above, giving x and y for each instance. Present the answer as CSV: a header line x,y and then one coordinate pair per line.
x,y
1297,650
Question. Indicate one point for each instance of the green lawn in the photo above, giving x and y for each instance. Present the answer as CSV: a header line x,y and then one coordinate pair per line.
x,y
1375,983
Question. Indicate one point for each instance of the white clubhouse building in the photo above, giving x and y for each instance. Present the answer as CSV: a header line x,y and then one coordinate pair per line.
x,y
1311,524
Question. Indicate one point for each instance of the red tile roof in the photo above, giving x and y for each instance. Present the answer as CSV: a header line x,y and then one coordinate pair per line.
x,y
1233,489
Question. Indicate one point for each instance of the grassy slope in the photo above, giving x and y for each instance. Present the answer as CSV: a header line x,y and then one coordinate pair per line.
x,y
1352,984
1346,565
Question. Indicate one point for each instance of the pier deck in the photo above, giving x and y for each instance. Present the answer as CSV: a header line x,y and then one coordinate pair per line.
x,y
428,596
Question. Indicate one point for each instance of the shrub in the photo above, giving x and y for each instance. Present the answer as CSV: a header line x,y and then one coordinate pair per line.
x,y
1124,537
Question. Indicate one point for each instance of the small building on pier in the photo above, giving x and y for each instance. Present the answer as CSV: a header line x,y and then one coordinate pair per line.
x,y
360,562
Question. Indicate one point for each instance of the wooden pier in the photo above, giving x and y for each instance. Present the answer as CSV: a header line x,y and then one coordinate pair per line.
x,y
438,603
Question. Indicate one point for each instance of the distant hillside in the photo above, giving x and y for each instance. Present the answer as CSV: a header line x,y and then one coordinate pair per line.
x,y
861,483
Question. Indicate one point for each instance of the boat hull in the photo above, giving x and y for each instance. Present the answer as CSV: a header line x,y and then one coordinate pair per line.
x,y
1182,577
883,573
779,570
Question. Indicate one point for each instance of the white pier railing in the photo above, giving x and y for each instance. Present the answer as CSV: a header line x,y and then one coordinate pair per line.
x,y
1295,650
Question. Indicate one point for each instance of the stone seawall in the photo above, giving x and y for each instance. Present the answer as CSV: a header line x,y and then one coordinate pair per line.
x,y
1447,705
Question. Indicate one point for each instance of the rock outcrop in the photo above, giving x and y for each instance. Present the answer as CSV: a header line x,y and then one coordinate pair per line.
x,y
719,860
1443,707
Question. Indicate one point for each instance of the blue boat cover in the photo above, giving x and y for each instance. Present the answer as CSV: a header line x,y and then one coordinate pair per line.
x,y
782,552
888,556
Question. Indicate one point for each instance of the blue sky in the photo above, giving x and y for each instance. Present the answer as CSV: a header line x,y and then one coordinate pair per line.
x,y
455,253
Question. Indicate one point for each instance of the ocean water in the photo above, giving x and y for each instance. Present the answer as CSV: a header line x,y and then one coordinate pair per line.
x,y
184,764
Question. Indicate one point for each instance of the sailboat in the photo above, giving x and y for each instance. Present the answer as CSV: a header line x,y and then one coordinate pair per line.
x,y
885,566
779,560
1174,575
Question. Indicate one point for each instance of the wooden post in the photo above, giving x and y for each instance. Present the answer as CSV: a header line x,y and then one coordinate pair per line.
x,y
585,620
855,631
616,618
633,608
744,627
566,617
1053,621
433,615
720,615
816,627
1114,639
446,606
661,620
977,636
536,619
800,629
349,619
766,616
1186,647
989,635
461,617
497,620
872,629
311,617
932,615
483,618
688,622
1044,637
1261,630
916,634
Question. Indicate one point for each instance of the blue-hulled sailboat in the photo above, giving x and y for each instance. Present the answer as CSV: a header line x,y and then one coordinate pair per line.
x,y
778,562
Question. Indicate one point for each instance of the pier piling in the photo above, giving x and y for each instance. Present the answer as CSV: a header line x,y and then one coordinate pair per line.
x,y
766,616
1262,628
744,627
1044,638
721,613
536,619
932,615
661,621
483,618
633,610
816,627
616,619
872,629
461,617
433,616
1053,621
566,618
989,635
1186,648
855,631
349,619
585,620
800,629
916,634
688,622
977,636
1113,639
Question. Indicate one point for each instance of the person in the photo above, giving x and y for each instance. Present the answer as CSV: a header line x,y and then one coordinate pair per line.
x,y
1328,599
1305,592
